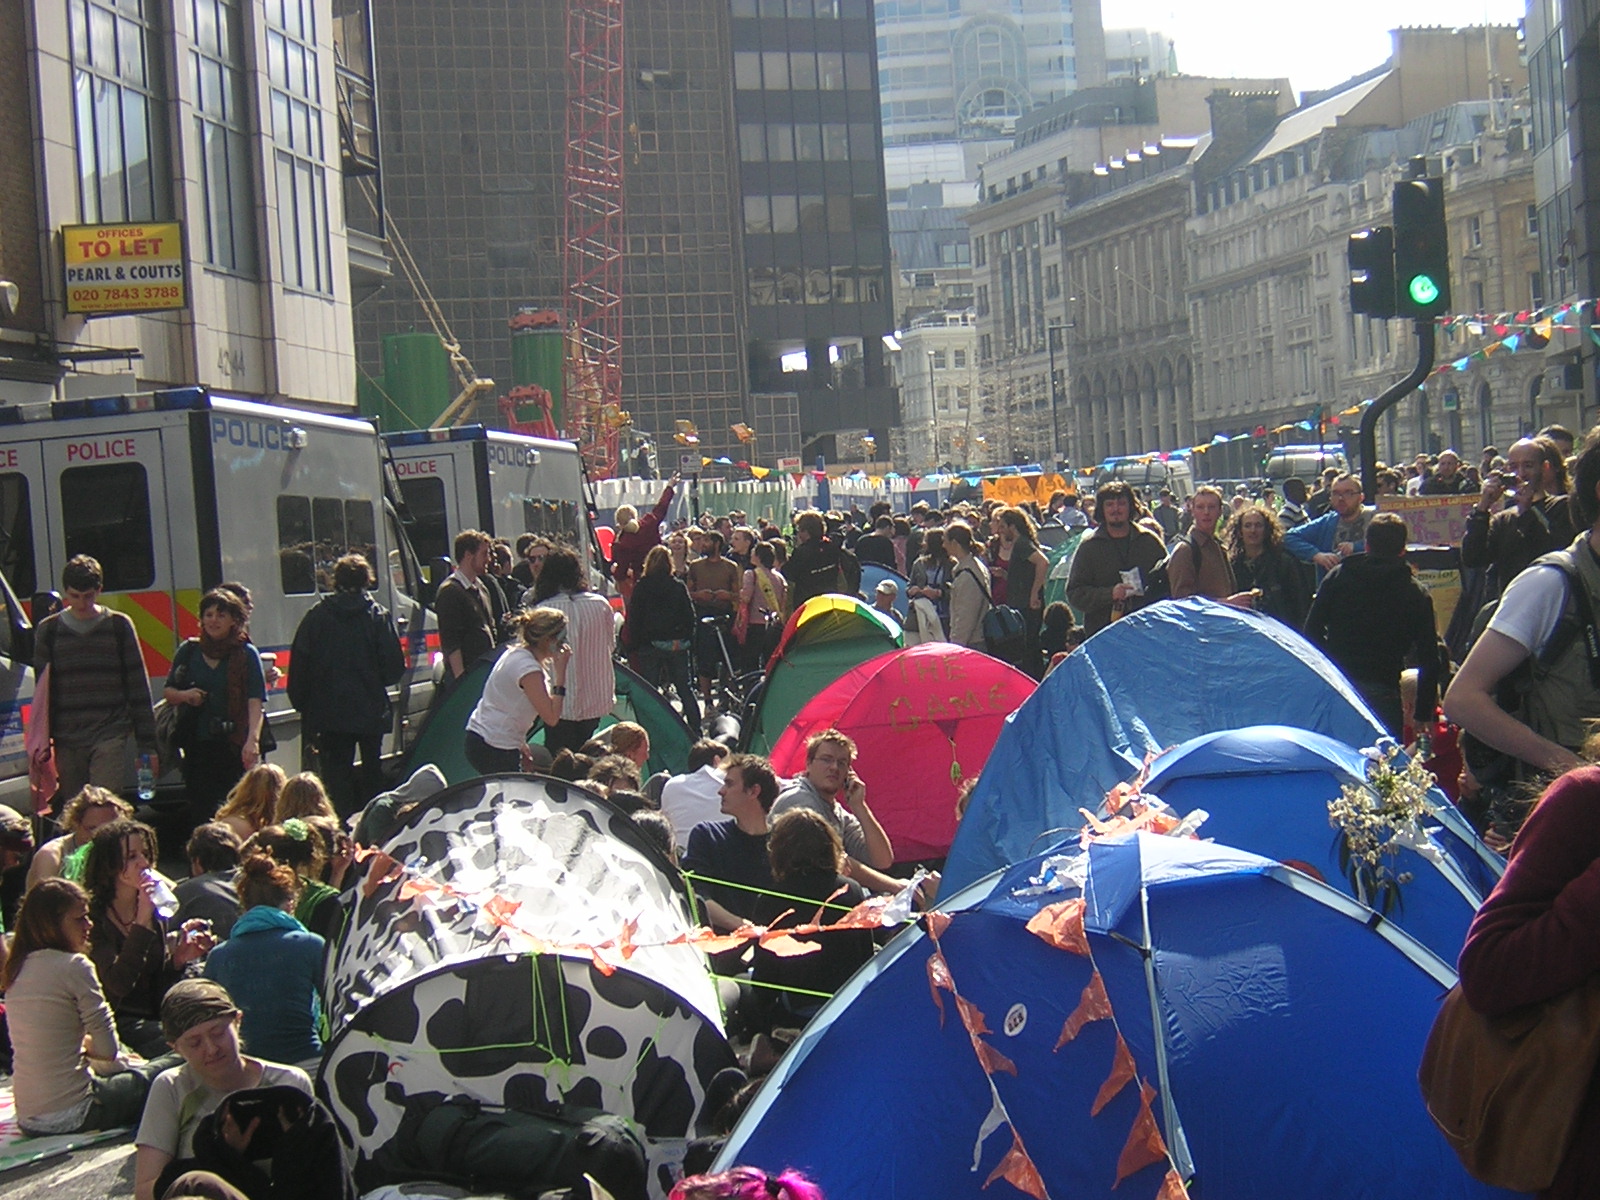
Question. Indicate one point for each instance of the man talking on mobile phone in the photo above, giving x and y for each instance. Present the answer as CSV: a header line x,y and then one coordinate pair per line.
x,y
837,794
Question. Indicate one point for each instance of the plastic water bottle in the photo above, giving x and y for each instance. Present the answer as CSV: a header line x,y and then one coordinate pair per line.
x,y
147,778
166,902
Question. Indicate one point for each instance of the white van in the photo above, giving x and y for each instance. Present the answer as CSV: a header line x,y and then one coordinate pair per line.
x,y
1148,475
177,491
505,484
1305,462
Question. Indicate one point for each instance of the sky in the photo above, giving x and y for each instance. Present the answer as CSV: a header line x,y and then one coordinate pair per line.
x,y
1315,45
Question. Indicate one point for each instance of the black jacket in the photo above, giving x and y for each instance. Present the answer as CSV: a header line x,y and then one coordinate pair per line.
x,y
1509,540
659,610
1369,615
346,655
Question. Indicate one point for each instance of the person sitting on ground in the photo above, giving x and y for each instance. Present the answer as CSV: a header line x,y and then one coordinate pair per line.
x,y
201,1022
136,957
807,864
831,789
631,740
658,831
272,966
302,796
69,1072
1055,628
746,1183
615,771
317,861
208,894
731,853
571,766
519,692
84,815
696,795
253,800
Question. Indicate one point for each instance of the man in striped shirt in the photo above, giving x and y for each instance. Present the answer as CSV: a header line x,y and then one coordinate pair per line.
x,y
590,692
100,712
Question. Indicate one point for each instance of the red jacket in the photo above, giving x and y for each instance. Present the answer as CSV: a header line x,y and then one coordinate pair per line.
x,y
629,549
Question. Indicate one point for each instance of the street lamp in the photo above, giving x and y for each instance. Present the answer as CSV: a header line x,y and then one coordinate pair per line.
x,y
933,405
1051,337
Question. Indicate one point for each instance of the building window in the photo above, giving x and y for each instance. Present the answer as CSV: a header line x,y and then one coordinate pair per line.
x,y
222,123
938,358
1532,219
1474,232
983,300
1052,279
958,359
752,143
119,110
979,257
747,71
1049,231
985,347
297,134
1478,304
1536,289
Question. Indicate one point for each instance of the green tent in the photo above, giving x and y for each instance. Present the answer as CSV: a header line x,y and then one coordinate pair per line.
x,y
825,637
1060,559
440,740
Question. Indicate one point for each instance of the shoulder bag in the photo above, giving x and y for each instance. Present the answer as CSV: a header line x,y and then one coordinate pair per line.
x,y
1005,635
1507,1091
175,723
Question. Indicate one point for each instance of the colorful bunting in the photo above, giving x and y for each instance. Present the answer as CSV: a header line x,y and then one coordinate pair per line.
x,y
1145,1145
1094,1005
1123,1069
1017,1169
1173,1187
1061,925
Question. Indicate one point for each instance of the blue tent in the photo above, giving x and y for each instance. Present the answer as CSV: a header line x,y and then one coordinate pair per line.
x,y
872,574
1280,1033
1143,684
1267,789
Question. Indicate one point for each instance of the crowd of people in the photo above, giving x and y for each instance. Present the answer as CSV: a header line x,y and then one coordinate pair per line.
x,y
130,1001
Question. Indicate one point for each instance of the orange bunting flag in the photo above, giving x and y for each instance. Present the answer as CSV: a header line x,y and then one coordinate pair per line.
x,y
938,922
866,915
625,938
381,870
1172,1187
1095,1005
785,946
1145,1144
601,963
1017,1169
991,1060
1123,1069
939,977
500,909
417,886
1062,926
971,1016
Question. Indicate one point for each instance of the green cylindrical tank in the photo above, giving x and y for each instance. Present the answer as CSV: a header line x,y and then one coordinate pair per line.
x,y
416,377
538,347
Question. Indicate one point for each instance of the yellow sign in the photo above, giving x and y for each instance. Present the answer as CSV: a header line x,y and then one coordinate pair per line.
x,y
124,268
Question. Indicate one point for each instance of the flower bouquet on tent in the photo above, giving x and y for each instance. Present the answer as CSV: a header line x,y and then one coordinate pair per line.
x,y
1378,818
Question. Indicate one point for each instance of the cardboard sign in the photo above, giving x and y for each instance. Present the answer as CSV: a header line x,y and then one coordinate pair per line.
x,y
1431,520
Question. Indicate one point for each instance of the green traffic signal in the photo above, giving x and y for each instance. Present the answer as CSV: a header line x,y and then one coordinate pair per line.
x,y
1422,289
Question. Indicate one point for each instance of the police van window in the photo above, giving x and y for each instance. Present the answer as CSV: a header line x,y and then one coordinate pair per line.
x,y
361,531
295,563
428,526
554,519
16,534
106,514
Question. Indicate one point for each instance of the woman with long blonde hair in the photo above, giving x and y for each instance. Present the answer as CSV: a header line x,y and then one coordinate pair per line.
x,y
251,803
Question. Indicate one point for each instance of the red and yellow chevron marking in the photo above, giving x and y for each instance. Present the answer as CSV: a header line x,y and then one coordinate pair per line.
x,y
160,622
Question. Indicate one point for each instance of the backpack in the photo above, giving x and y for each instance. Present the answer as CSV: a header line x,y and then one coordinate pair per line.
x,y
515,1151
1158,584
1495,768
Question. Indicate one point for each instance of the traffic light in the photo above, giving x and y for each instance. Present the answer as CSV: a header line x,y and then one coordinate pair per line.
x,y
1371,256
1421,249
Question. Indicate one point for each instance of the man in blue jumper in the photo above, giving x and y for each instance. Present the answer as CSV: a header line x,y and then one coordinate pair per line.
x,y
1337,533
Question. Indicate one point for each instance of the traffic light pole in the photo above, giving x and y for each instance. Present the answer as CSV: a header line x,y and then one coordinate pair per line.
x,y
1427,336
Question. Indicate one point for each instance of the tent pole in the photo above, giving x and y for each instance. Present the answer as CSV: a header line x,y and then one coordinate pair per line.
x,y
1177,1143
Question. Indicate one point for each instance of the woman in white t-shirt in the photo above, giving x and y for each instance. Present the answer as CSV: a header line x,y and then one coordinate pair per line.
x,y
201,1022
517,693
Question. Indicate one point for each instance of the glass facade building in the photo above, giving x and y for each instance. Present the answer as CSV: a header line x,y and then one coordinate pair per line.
x,y
815,234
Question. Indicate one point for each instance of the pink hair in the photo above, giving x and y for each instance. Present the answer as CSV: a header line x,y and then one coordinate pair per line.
x,y
747,1183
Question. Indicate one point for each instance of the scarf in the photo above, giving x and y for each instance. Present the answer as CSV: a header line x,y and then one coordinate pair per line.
x,y
229,650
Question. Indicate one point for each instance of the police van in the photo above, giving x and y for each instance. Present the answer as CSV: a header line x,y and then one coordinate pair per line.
x,y
176,491
505,484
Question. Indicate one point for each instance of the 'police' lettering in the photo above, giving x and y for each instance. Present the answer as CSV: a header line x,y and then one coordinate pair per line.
x,y
8,457
409,468
251,435
100,451
512,456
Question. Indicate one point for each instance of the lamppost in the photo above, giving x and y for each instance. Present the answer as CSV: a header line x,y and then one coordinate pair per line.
x,y
1055,393
933,405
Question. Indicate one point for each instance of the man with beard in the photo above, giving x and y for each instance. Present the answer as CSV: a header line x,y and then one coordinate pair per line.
x,y
1101,579
1336,534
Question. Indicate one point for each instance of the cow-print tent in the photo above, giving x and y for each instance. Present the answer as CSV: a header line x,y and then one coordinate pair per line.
x,y
430,995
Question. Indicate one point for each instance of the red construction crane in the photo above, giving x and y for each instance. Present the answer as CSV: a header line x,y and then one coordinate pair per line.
x,y
592,234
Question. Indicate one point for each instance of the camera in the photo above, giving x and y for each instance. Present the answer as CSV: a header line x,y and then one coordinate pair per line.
x,y
226,726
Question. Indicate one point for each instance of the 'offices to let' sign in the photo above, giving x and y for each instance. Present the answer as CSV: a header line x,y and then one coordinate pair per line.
x,y
131,268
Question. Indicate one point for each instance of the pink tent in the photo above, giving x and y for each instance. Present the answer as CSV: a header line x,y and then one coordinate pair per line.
x,y
923,719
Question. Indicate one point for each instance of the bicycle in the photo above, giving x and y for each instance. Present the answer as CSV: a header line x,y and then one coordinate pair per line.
x,y
729,689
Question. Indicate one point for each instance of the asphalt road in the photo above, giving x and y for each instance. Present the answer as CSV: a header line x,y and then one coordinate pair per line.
x,y
94,1173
